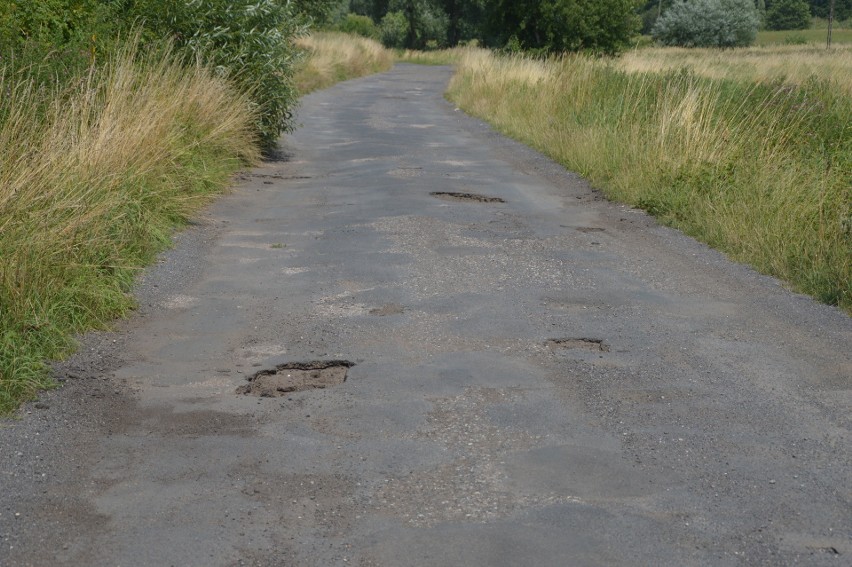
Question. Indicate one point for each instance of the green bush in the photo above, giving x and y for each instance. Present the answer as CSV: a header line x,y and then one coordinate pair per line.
x,y
359,25
414,24
788,15
708,23
249,41
55,40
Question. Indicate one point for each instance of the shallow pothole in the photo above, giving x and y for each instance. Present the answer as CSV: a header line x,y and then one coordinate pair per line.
x,y
296,377
389,309
595,345
468,197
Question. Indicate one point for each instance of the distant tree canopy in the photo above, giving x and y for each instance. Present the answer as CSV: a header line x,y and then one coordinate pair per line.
x,y
842,8
650,10
708,23
788,15
604,26
563,25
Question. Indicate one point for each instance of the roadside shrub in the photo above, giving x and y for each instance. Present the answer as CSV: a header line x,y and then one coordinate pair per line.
x,y
359,25
248,41
708,23
788,15
795,39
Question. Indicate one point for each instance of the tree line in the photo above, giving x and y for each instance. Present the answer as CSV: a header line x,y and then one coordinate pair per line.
x,y
604,26
775,14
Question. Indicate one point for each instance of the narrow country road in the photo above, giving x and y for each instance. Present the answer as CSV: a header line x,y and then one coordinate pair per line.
x,y
533,376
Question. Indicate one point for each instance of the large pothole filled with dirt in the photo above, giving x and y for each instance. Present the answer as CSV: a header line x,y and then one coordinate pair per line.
x,y
468,197
296,377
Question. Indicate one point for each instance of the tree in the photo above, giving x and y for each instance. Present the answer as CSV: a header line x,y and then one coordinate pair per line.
x,y
393,30
708,23
359,25
464,19
425,24
317,12
842,8
788,15
604,26
376,9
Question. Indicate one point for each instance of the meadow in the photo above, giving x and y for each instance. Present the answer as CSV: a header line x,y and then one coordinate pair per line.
x,y
814,36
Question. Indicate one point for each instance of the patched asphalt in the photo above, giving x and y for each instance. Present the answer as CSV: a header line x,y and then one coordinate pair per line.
x,y
525,374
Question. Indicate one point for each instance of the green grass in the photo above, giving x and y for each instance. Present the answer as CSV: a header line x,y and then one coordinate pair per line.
x,y
809,36
94,177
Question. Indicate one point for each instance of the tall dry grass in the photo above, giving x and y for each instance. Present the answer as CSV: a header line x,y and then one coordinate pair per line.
x,y
333,57
93,177
762,171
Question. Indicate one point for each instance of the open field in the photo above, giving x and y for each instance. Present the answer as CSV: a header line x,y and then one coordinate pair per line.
x,y
789,63
757,169
814,36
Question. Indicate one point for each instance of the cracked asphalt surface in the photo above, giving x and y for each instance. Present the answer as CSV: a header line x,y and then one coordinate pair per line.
x,y
549,380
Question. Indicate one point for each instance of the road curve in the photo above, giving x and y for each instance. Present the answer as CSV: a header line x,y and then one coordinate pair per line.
x,y
534,376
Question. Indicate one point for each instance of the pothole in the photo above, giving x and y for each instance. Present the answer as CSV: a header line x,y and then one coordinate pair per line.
x,y
468,197
296,377
389,309
596,345
590,229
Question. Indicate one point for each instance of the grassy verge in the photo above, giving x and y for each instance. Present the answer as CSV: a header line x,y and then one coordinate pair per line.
x,y
436,57
93,178
334,57
760,170
814,36
791,64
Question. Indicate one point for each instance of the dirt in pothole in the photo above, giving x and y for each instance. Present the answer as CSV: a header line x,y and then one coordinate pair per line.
x,y
471,197
389,309
296,377
596,345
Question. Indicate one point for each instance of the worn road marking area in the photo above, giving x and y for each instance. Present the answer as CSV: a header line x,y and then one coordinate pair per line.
x,y
527,375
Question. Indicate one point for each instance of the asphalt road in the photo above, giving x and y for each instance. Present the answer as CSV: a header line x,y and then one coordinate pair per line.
x,y
549,380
